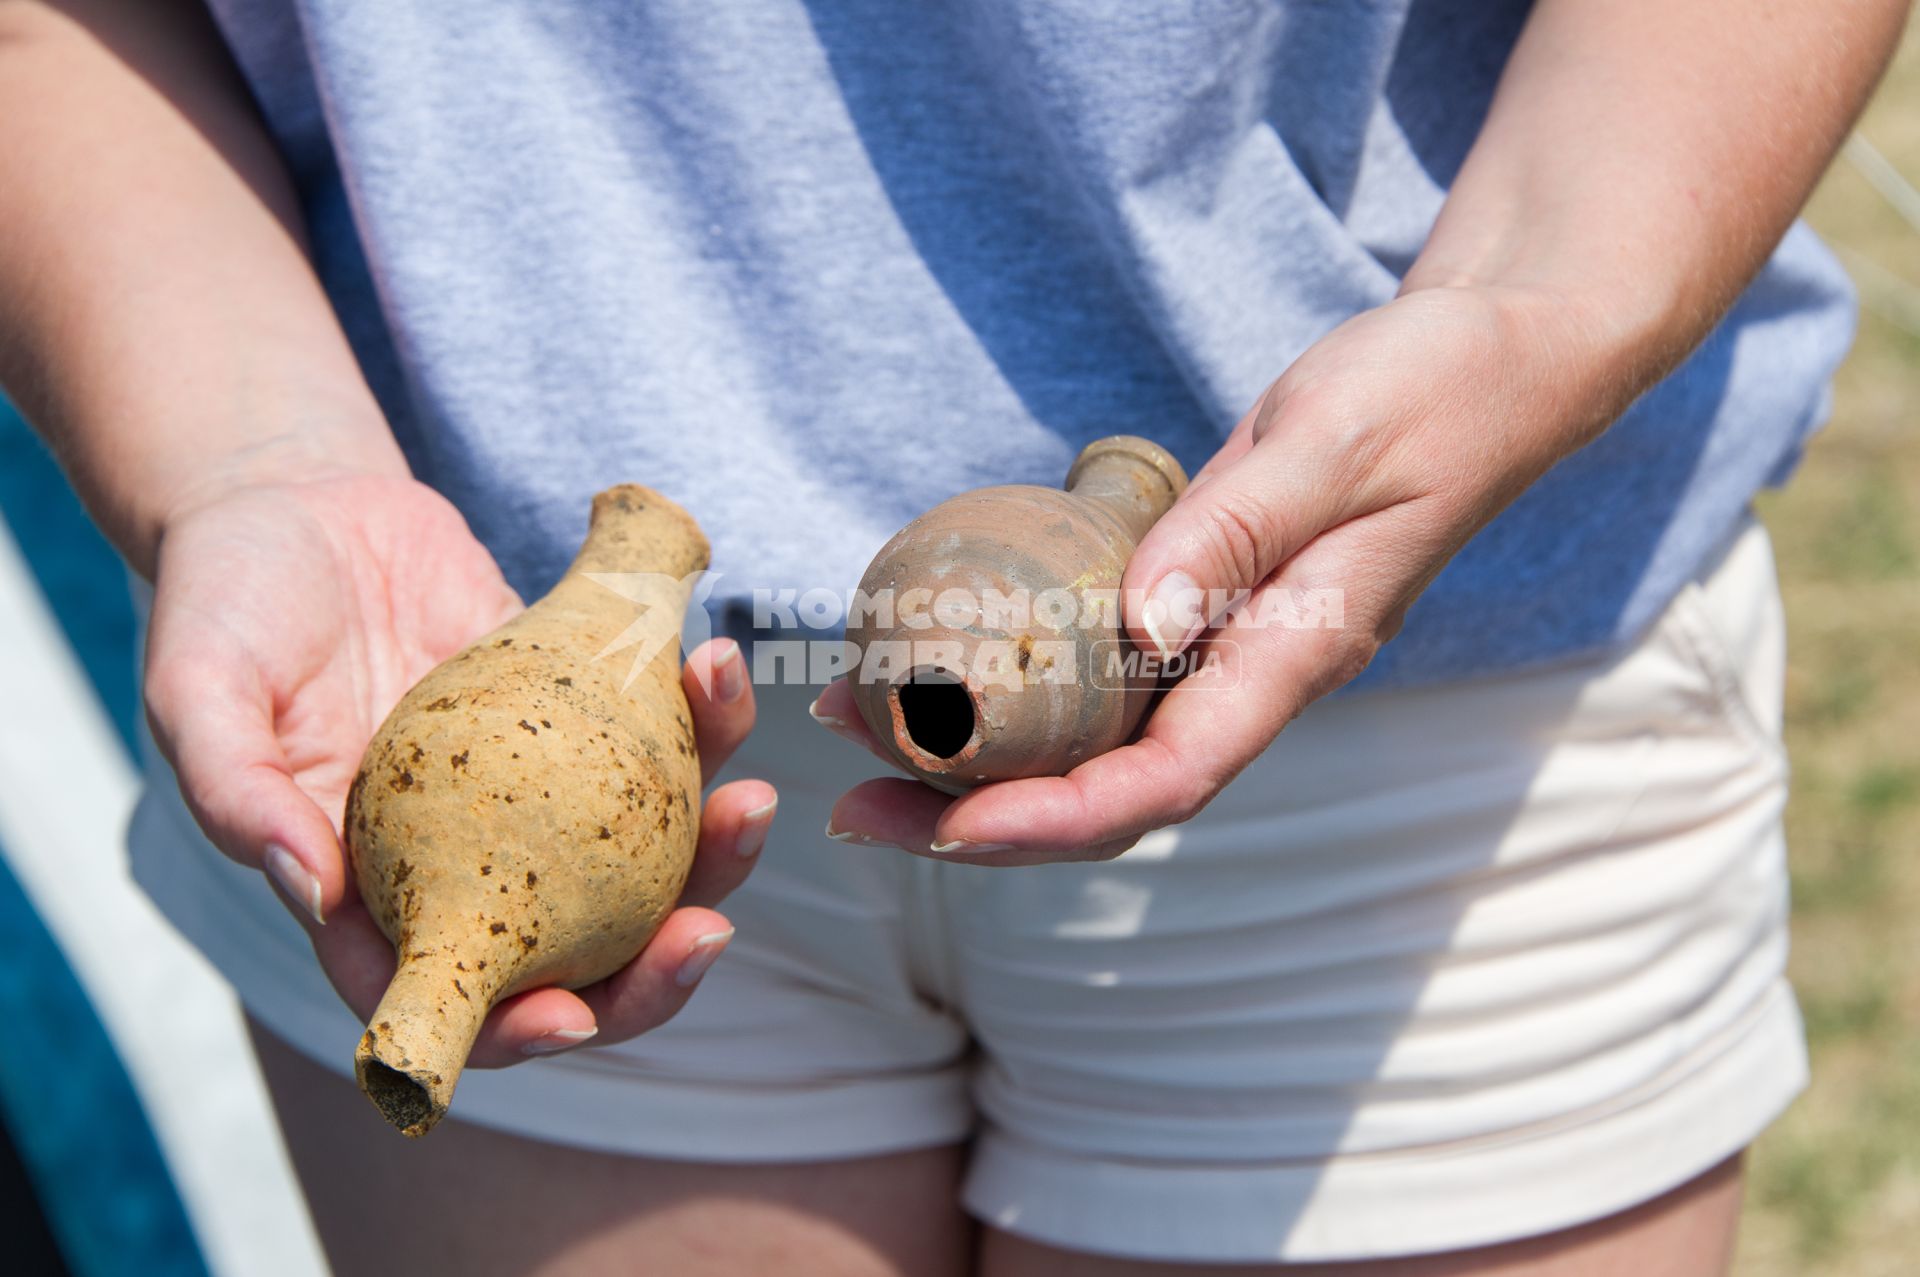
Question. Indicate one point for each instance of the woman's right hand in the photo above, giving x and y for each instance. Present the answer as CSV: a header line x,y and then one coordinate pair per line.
x,y
288,618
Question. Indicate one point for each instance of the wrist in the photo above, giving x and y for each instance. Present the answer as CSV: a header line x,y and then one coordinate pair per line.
x,y
1631,287
309,452
1572,338
289,457
1628,315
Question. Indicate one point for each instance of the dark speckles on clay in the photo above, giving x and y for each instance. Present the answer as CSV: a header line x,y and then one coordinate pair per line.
x,y
470,842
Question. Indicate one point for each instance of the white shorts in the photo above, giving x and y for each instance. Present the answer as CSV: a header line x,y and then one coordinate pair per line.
x,y
1443,968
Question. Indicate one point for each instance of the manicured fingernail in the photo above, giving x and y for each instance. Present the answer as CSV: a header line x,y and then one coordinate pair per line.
x,y
961,847
753,830
704,953
729,672
293,879
857,839
827,719
558,1040
1173,616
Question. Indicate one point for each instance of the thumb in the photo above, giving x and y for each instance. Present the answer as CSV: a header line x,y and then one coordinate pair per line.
x,y
1226,535
212,717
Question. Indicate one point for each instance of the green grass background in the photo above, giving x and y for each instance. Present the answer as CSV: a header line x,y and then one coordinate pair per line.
x,y
1834,1189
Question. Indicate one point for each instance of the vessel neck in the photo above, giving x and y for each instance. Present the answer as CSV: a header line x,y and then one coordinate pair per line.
x,y
1137,480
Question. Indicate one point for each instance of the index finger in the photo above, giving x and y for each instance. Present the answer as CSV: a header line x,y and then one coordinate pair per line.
x,y
720,697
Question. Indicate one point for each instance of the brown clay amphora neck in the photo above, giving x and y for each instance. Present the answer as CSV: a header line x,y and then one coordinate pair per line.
x,y
1136,479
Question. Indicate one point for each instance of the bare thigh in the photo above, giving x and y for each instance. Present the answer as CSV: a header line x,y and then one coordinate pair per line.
x,y
1687,1233
477,1202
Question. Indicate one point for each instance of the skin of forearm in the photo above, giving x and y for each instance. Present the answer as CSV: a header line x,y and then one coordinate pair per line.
x,y
1641,160
160,321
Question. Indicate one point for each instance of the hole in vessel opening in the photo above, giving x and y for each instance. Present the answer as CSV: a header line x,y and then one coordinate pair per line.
x,y
403,1101
937,712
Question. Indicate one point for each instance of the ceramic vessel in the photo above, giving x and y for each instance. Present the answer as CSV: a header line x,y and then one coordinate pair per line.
x,y
989,629
527,814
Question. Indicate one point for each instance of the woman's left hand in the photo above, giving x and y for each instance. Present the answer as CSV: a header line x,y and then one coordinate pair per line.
x,y
1361,471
